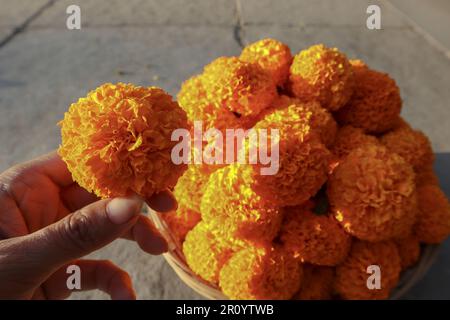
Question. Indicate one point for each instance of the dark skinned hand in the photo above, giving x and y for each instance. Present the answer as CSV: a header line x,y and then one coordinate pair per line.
x,y
48,222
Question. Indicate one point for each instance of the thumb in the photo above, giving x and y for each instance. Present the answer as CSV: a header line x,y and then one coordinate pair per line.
x,y
84,231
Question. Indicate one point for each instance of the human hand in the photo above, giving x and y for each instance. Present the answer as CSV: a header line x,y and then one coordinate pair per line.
x,y
48,222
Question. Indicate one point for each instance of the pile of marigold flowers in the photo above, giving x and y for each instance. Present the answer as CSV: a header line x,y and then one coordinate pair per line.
x,y
355,185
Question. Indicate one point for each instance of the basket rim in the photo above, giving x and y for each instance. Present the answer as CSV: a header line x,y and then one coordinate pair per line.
x,y
175,258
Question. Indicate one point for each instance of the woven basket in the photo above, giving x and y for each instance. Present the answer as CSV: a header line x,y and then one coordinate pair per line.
x,y
175,259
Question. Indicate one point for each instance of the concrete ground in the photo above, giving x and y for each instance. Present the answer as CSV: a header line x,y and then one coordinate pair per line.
x,y
44,67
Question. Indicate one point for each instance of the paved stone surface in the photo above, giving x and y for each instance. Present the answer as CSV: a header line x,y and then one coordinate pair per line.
x,y
46,67
4,32
15,13
323,12
432,16
142,13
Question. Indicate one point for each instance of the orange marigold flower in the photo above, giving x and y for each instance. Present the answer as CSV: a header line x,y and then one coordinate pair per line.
x,y
372,194
315,239
241,87
205,254
401,123
193,99
234,210
426,175
291,113
272,56
411,145
376,103
409,250
303,168
351,276
303,159
317,283
181,221
118,140
349,138
433,223
322,74
190,187
261,272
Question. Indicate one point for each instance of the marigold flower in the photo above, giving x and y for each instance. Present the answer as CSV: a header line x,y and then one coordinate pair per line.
x,y
190,187
315,239
303,159
291,114
205,254
234,210
322,74
401,123
349,138
181,221
411,145
372,194
193,99
351,276
272,56
261,272
241,87
426,175
317,283
409,250
302,172
212,115
118,140
376,103
433,221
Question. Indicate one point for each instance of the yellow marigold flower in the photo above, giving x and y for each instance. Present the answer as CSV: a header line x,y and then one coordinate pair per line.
x,y
433,221
190,187
181,221
351,276
272,56
205,254
291,113
322,74
303,159
241,87
234,210
193,99
315,239
302,172
317,283
409,250
349,138
376,103
118,140
411,145
372,194
261,272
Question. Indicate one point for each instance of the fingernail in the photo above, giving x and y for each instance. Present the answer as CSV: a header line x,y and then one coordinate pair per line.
x,y
162,202
161,243
121,210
